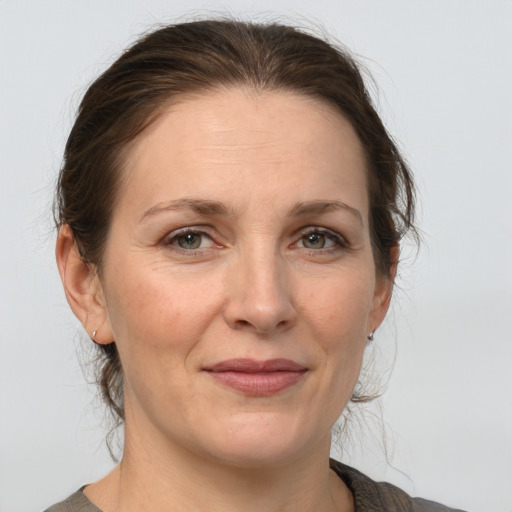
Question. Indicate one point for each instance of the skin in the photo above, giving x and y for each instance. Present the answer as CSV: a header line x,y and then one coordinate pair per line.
x,y
276,274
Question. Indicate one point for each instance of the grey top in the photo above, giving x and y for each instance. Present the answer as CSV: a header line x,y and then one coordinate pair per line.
x,y
369,496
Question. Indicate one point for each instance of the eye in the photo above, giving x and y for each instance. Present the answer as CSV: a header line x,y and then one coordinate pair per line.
x,y
315,241
189,240
318,239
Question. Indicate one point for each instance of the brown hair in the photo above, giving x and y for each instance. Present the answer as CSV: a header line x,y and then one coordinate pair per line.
x,y
197,57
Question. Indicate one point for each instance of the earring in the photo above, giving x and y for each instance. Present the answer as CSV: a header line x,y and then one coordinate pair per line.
x,y
370,336
94,334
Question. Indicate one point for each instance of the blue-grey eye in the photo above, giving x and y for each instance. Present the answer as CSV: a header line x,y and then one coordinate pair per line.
x,y
314,241
189,240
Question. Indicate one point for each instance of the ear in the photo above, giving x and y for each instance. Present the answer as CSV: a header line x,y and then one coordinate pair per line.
x,y
383,291
82,287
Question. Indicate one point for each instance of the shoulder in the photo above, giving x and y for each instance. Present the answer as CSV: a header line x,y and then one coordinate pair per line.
x,y
77,502
372,496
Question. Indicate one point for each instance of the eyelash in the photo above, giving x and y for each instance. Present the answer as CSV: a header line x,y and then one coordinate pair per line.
x,y
175,235
338,240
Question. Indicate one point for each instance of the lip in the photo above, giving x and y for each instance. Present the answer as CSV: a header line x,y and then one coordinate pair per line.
x,y
257,378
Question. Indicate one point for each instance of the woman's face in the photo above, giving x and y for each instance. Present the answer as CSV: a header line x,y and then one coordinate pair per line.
x,y
238,277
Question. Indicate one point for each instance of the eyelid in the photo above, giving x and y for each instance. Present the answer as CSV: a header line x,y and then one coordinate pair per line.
x,y
200,230
339,240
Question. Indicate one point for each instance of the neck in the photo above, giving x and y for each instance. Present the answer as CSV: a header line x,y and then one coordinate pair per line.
x,y
153,476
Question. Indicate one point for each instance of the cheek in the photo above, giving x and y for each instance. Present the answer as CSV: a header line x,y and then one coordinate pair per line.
x,y
339,307
154,311
158,321
338,314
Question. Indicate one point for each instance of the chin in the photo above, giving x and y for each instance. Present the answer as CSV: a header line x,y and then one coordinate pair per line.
x,y
261,440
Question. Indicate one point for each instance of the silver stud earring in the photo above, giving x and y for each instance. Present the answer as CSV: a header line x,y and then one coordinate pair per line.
x,y
370,336
94,334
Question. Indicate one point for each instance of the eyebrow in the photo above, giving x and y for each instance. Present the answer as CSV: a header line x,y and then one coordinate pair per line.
x,y
200,206
206,207
320,207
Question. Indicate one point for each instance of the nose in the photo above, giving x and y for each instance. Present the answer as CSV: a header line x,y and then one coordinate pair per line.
x,y
259,295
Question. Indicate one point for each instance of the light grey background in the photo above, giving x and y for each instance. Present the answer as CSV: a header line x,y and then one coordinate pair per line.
x,y
444,69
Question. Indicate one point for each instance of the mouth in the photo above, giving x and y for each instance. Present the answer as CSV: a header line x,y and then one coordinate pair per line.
x,y
257,378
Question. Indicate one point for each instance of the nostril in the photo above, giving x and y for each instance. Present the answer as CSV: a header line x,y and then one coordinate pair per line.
x,y
245,324
261,311
242,323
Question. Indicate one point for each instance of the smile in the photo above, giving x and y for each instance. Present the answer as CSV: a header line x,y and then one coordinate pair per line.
x,y
257,378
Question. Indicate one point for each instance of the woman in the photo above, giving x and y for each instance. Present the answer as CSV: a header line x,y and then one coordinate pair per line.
x,y
229,210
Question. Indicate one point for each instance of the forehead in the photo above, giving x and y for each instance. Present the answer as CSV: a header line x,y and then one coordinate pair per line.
x,y
231,114
246,144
